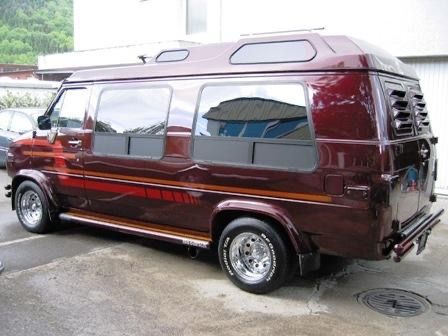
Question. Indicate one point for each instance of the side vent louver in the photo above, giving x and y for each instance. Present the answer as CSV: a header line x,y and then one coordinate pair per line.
x,y
403,123
408,107
419,107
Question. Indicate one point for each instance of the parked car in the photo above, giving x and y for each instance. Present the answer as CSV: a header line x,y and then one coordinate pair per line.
x,y
274,150
14,122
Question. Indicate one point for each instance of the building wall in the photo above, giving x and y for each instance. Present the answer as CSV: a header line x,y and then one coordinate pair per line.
x,y
403,27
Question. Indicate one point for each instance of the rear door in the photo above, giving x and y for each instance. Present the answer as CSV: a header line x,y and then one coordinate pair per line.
x,y
5,135
59,152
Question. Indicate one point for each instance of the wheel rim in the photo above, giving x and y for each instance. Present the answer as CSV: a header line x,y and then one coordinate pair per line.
x,y
30,208
250,256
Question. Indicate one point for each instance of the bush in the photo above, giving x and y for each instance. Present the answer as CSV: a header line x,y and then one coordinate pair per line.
x,y
24,100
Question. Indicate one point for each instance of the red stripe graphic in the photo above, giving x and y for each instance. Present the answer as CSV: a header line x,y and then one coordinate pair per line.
x,y
130,190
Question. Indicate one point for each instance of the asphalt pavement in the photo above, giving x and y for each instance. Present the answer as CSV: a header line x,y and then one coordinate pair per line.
x,y
83,281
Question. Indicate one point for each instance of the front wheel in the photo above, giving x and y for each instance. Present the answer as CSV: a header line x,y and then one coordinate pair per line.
x,y
32,208
253,255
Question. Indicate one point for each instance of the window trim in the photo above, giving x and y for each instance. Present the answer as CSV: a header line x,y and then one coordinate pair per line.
x,y
275,81
106,86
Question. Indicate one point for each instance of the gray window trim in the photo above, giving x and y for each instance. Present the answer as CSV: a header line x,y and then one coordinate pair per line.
x,y
276,81
107,86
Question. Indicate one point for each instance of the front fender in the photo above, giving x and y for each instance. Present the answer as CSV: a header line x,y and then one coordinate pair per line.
x,y
299,242
37,177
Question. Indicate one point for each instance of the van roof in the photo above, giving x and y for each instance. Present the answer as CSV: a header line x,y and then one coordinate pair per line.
x,y
314,53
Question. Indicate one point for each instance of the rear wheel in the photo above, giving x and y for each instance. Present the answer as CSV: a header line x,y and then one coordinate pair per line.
x,y
32,208
253,255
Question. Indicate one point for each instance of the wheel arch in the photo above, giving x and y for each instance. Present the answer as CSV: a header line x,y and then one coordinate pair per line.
x,y
37,177
229,210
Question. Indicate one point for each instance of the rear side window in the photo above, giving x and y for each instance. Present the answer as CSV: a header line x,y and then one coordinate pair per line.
x,y
5,117
20,123
131,120
256,124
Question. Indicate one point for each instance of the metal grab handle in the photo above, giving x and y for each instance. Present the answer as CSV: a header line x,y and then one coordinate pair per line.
x,y
75,143
424,152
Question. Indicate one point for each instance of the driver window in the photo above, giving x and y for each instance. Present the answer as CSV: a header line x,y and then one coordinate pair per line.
x,y
70,109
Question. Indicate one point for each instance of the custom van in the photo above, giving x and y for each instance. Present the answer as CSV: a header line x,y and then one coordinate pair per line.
x,y
273,149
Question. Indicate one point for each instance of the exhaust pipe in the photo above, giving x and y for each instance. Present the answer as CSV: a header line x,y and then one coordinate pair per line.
x,y
193,252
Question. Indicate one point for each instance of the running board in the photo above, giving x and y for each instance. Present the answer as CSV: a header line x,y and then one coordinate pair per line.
x,y
147,230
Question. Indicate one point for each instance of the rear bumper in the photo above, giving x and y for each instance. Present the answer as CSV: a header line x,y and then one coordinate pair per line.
x,y
404,240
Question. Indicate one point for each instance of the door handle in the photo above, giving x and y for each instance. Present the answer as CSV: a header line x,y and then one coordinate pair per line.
x,y
75,143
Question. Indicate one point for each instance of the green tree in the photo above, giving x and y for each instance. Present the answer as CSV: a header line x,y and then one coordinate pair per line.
x,y
29,28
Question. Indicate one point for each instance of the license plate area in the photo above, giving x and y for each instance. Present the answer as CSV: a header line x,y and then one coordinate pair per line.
x,y
422,240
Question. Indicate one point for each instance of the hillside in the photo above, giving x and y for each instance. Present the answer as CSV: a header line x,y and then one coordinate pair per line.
x,y
29,28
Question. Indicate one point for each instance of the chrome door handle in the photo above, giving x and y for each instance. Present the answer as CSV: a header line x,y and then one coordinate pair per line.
x,y
75,143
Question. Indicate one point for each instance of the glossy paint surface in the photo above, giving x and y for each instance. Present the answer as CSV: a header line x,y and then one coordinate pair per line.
x,y
176,192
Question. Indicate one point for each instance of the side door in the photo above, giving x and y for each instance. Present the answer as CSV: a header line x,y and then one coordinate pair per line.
x,y
59,152
128,141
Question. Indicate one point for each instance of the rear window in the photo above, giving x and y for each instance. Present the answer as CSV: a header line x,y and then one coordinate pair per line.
x,y
274,52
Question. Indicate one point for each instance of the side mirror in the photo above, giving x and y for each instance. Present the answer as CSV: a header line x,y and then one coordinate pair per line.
x,y
44,122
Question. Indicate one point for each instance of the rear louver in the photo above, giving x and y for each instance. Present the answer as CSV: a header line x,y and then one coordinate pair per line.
x,y
403,123
419,107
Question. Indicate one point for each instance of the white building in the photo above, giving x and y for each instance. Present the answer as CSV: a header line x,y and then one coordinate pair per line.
x,y
114,32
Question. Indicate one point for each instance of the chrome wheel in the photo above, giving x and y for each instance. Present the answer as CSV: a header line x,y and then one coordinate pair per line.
x,y
250,256
30,208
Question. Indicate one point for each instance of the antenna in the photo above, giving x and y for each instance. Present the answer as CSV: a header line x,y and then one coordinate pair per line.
x,y
145,58
284,31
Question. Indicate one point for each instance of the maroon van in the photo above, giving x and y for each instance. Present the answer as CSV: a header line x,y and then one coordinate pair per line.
x,y
274,150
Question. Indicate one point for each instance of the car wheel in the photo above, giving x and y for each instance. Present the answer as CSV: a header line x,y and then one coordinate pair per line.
x,y
32,208
253,255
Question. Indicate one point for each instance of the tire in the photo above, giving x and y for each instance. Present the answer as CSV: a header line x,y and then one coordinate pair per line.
x,y
254,255
32,208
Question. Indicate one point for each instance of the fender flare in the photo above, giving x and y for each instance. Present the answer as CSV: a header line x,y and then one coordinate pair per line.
x,y
37,177
300,243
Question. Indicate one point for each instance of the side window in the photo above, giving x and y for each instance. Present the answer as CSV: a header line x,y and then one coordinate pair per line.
x,y
131,120
70,109
255,124
5,117
20,123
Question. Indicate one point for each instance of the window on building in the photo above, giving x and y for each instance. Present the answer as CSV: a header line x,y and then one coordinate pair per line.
x,y
132,120
262,124
196,16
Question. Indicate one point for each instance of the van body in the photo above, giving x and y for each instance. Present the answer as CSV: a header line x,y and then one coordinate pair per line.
x,y
272,149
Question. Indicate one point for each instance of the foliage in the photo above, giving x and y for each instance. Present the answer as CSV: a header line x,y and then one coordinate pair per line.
x,y
24,100
33,27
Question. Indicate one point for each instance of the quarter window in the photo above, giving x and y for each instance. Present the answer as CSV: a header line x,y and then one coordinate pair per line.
x,y
131,120
261,124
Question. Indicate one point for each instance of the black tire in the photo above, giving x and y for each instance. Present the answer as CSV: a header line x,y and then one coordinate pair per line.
x,y
252,234
29,202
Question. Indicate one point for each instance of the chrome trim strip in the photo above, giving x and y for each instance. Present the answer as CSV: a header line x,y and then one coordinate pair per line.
x,y
63,174
148,232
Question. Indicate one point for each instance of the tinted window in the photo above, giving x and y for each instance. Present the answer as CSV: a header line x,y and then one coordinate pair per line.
x,y
20,123
172,55
254,124
133,111
274,52
5,117
132,121
254,111
70,108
